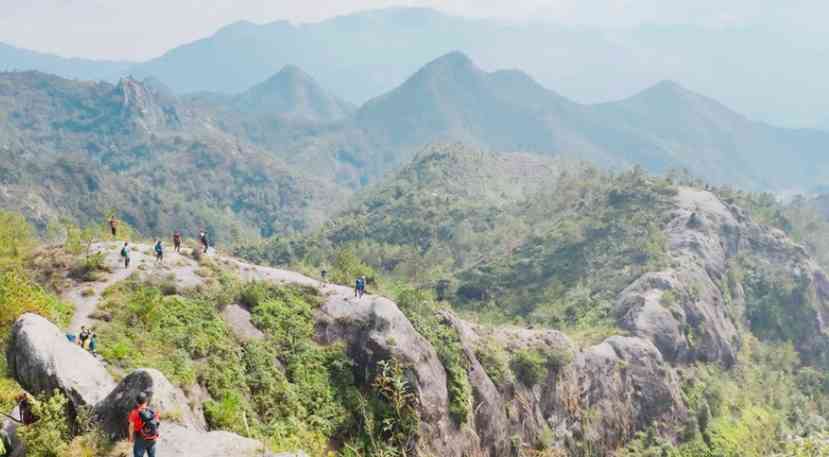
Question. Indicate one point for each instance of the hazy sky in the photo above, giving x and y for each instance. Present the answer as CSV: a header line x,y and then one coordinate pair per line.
x,y
141,29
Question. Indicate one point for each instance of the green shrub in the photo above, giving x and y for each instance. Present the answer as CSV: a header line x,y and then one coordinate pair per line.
x,y
50,435
529,366
495,361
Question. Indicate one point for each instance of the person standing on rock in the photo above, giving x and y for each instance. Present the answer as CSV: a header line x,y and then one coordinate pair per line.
x,y
83,336
143,428
203,239
177,241
125,254
159,252
360,287
113,226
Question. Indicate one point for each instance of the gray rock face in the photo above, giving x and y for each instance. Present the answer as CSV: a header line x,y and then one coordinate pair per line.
x,y
375,329
178,441
41,359
113,410
606,393
612,390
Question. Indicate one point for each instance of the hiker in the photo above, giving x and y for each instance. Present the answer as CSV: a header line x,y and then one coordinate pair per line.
x,y
24,409
324,273
113,226
143,428
177,241
83,336
159,252
203,239
360,287
125,253
93,343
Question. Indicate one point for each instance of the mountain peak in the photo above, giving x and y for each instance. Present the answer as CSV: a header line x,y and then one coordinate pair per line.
x,y
454,58
292,93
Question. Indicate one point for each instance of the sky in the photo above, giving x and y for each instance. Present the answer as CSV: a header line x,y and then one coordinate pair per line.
x,y
142,29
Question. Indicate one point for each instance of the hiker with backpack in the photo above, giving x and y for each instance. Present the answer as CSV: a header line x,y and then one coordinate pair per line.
x,y
143,427
125,254
177,241
360,287
159,252
83,336
203,239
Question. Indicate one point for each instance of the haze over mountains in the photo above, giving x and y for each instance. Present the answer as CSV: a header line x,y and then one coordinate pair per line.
x,y
90,147
363,55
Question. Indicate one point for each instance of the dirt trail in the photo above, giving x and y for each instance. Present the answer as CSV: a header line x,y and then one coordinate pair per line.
x,y
182,270
87,295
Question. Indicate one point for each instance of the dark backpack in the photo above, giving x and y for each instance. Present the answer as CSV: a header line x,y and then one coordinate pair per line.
x,y
123,252
149,424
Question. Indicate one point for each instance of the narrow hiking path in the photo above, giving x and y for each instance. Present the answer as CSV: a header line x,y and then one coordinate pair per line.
x,y
183,271
86,296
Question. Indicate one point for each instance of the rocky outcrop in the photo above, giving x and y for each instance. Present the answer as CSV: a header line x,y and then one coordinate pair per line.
x,y
606,393
41,359
375,329
113,410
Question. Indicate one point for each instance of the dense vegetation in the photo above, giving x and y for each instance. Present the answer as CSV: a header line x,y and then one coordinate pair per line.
x,y
516,238
83,151
551,247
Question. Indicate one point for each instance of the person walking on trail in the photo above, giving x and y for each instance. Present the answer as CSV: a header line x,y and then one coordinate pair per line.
x,y
143,427
125,254
93,343
324,273
360,287
159,252
177,241
113,226
203,239
83,336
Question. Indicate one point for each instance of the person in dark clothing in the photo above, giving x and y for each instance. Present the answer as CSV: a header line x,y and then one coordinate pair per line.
x,y
203,239
83,337
143,428
113,226
177,241
125,254
360,287
159,252
324,273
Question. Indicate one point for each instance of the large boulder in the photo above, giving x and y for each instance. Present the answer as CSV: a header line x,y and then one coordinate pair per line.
x,y
179,441
375,329
612,390
41,359
165,399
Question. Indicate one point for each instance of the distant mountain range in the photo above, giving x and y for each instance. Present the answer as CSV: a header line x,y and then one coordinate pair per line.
x,y
282,155
363,55
665,126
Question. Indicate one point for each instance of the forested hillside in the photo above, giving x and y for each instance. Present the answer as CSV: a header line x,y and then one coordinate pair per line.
x,y
84,151
585,314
